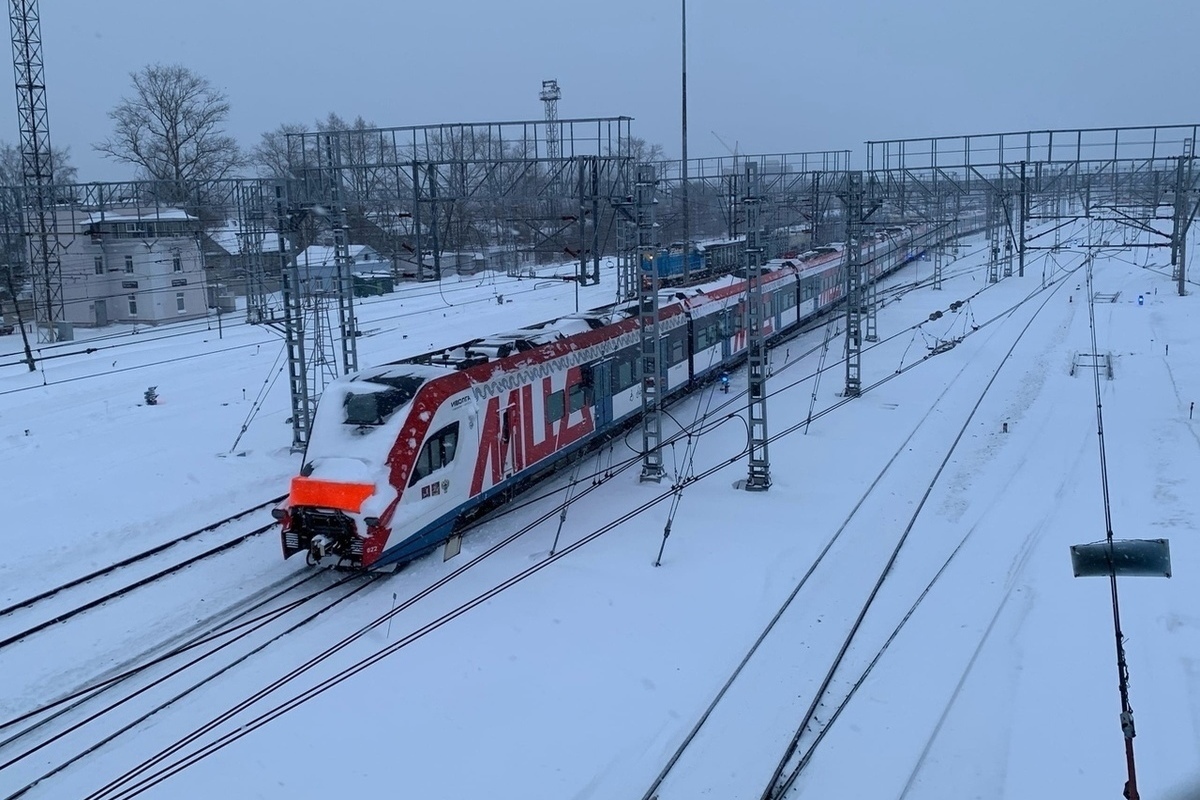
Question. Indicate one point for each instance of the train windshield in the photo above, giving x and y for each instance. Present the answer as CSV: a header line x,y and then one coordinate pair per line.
x,y
376,406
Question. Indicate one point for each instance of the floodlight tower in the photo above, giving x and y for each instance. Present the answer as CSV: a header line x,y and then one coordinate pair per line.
x,y
550,96
37,167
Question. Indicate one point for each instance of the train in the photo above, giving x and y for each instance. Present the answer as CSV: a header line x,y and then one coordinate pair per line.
x,y
402,456
705,259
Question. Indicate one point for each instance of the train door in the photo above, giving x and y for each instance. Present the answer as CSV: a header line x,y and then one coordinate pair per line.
x,y
726,323
601,384
509,437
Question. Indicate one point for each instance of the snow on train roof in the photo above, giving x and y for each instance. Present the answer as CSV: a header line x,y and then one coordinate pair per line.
x,y
500,345
393,371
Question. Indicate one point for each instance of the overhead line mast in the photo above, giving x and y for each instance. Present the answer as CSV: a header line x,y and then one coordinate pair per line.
x,y
37,167
759,479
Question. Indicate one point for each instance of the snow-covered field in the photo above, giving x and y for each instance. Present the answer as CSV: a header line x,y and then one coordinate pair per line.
x,y
581,679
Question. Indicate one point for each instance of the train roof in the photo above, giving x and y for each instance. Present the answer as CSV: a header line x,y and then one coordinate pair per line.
x,y
506,343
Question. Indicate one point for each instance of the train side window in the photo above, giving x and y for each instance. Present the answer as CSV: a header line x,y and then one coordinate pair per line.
x,y
578,397
622,376
678,351
554,406
437,452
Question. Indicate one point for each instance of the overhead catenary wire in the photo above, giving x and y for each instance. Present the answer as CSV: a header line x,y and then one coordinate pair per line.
x,y
689,462
142,717
791,597
1118,635
775,789
264,390
136,788
720,422
128,338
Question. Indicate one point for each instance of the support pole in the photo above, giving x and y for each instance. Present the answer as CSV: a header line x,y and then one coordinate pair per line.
x,y
870,295
433,223
293,331
1180,227
650,363
853,200
939,248
687,219
993,224
37,169
759,479
814,235
342,261
252,230
1024,217
416,212
594,162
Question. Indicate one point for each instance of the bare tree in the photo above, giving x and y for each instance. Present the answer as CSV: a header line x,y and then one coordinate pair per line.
x,y
641,151
11,168
171,128
270,156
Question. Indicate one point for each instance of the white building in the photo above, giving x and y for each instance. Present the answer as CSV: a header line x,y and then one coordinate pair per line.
x,y
318,265
131,265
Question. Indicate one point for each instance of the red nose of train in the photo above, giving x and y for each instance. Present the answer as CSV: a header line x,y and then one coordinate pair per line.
x,y
318,520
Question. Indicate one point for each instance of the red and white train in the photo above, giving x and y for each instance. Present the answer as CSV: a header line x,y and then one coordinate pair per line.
x,y
401,454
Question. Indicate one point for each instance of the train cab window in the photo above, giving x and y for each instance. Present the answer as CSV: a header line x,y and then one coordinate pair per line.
x,y
437,452
374,407
555,406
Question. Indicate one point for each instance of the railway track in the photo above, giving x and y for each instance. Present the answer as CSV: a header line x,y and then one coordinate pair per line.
x,y
847,665
254,710
48,739
58,604
41,743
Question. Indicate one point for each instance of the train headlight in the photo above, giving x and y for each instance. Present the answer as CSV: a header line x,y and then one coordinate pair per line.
x,y
279,513
372,522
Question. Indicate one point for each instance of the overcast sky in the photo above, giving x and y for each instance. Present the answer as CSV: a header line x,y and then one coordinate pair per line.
x,y
764,75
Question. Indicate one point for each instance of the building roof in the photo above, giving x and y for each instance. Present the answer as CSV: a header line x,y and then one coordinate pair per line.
x,y
317,255
138,215
73,219
230,238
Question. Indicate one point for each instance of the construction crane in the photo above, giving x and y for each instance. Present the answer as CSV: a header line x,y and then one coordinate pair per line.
x,y
37,168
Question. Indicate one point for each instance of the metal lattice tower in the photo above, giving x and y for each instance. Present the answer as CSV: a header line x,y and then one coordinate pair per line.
x,y
1024,209
1181,217
946,230
627,258
344,286
322,363
293,330
251,242
37,166
589,209
993,226
550,96
1006,202
650,363
939,261
853,200
870,296
759,479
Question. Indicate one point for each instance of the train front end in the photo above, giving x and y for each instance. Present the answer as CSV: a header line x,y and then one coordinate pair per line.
x,y
340,505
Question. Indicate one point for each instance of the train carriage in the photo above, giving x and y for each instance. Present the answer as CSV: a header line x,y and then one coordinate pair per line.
x,y
401,455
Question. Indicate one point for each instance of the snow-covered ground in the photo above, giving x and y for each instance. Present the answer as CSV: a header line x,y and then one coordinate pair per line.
x,y
581,679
